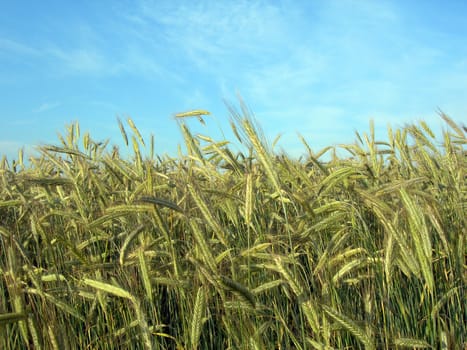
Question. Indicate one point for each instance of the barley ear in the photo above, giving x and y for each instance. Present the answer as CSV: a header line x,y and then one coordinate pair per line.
x,y
197,320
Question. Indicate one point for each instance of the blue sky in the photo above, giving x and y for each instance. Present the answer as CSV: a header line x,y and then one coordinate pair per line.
x,y
320,68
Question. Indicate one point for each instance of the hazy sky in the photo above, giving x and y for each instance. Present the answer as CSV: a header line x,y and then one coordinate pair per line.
x,y
320,68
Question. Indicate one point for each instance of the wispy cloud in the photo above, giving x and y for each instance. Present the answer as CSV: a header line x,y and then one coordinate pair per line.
x,y
313,67
216,34
89,54
47,106
292,80
56,58
81,60
15,47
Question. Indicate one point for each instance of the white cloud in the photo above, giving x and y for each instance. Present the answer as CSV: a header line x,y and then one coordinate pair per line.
x,y
197,99
289,82
315,66
15,47
215,34
47,106
81,60
145,63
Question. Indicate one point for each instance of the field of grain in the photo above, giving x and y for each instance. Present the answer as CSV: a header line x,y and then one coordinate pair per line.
x,y
218,249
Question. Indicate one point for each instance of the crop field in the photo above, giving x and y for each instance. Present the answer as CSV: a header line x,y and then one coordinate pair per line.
x,y
253,249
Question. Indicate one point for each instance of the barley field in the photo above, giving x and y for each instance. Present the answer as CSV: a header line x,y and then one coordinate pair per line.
x,y
253,249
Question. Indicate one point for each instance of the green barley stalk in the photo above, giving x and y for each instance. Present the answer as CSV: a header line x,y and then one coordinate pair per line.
x,y
122,293
197,319
351,326
215,226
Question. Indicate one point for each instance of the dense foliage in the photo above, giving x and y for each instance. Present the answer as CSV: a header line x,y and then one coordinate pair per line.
x,y
223,250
